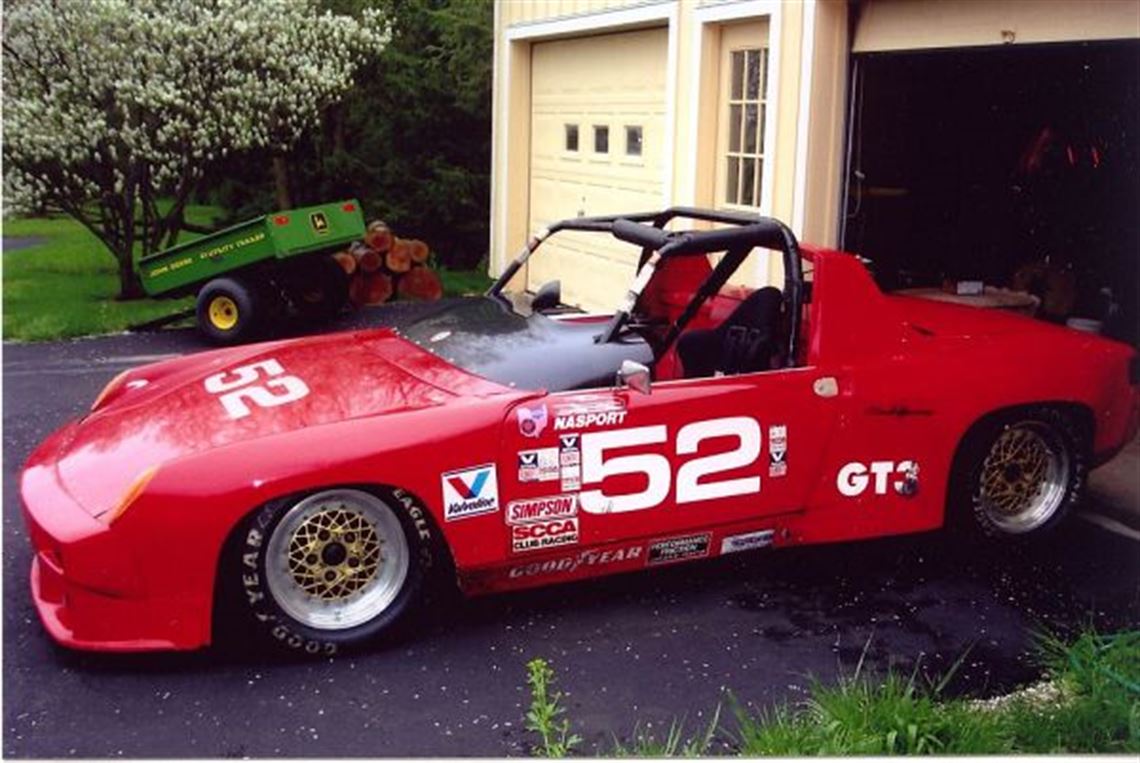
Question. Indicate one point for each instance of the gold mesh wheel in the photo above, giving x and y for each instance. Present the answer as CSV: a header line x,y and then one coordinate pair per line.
x,y
1024,477
337,559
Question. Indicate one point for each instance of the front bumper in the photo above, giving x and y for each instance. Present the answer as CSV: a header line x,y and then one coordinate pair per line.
x,y
84,581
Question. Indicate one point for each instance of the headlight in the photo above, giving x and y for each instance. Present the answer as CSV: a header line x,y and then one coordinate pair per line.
x,y
129,495
112,387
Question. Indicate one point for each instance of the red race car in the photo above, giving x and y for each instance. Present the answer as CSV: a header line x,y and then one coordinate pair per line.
x,y
310,486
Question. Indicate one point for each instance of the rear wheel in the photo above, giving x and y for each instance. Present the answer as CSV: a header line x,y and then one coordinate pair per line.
x,y
228,310
318,288
332,569
1026,473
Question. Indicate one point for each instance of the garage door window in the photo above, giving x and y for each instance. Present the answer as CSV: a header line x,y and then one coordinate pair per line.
x,y
601,139
571,137
633,140
745,109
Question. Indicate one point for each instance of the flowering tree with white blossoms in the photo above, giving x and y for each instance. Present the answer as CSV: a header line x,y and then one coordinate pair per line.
x,y
114,109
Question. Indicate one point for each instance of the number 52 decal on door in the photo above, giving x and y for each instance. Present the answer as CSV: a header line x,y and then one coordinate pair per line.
x,y
596,467
234,388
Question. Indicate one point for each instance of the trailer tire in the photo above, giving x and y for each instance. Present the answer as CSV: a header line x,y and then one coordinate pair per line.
x,y
229,311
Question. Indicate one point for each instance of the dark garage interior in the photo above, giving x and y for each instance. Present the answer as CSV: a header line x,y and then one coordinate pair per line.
x,y
1014,165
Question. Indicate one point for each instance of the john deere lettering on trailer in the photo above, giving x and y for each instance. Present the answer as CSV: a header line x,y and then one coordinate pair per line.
x,y
252,271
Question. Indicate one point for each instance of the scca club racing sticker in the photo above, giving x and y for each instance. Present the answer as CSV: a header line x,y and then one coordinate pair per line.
x,y
538,536
677,549
731,544
539,465
470,492
532,419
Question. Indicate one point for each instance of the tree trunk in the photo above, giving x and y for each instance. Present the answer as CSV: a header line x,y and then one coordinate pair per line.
x,y
281,182
130,287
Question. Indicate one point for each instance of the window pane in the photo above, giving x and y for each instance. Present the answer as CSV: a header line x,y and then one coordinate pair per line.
x,y
633,140
731,194
737,91
753,74
734,128
764,75
747,182
760,130
571,137
759,177
601,139
750,128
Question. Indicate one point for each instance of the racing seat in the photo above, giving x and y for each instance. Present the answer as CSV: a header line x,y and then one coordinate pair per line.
x,y
744,343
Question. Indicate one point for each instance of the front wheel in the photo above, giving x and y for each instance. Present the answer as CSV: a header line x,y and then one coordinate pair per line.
x,y
332,569
1026,473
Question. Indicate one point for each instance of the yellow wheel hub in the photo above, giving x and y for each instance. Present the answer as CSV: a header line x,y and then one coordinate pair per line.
x,y
223,313
334,553
1015,471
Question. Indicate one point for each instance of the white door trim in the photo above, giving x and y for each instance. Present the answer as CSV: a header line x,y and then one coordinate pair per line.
x,y
807,63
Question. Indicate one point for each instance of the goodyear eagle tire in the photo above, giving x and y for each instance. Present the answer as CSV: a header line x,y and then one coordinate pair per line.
x,y
229,311
333,569
1026,473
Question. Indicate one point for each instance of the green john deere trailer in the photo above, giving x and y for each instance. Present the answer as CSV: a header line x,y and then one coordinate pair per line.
x,y
250,273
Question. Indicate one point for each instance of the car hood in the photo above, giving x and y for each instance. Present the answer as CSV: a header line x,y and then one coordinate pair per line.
x,y
157,413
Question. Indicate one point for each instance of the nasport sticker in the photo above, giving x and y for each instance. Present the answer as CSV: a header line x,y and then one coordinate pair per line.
x,y
470,492
587,412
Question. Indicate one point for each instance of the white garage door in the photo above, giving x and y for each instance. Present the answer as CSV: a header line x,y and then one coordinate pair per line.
x,y
597,147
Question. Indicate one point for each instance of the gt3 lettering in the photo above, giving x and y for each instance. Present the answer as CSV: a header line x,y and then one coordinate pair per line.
x,y
658,473
236,386
854,478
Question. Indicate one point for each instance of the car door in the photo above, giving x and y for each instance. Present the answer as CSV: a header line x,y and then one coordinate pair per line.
x,y
612,464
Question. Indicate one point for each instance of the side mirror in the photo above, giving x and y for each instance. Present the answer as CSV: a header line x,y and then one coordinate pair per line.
x,y
635,376
549,295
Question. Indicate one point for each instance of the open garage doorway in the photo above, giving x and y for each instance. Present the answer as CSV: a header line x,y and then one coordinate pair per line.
x,y
1016,166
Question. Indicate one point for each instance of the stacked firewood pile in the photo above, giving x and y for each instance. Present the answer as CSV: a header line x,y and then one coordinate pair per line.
x,y
384,267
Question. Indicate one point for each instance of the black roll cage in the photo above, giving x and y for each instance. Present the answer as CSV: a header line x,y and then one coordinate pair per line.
x,y
647,229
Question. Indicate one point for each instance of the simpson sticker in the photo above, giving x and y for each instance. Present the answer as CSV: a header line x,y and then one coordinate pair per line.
x,y
854,478
532,420
676,549
538,465
777,450
549,507
536,536
592,558
746,541
470,492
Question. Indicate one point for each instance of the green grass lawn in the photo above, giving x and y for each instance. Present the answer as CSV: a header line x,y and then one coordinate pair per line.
x,y
65,286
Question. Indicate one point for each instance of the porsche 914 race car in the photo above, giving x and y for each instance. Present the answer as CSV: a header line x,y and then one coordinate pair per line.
x,y
310,487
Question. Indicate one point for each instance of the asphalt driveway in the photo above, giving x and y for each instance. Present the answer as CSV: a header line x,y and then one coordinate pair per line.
x,y
642,647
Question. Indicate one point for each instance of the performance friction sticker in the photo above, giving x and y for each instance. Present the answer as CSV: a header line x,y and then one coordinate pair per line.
x,y
591,558
746,541
536,509
537,536
777,450
470,492
532,420
539,465
677,549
